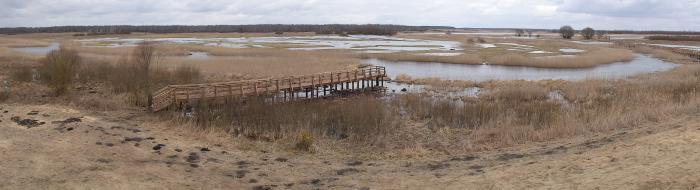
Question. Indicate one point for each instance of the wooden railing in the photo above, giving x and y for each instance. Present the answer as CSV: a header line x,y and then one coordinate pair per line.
x,y
284,87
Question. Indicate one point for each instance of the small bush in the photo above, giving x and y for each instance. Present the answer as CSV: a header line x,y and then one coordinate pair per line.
x,y
304,141
59,68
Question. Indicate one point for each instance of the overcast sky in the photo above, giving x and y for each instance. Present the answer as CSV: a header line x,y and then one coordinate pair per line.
x,y
600,14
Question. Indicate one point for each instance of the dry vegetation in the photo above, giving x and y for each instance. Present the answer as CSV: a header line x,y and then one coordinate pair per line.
x,y
506,114
590,58
232,63
674,38
500,55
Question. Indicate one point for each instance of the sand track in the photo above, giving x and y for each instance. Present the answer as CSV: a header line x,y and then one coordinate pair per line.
x,y
126,151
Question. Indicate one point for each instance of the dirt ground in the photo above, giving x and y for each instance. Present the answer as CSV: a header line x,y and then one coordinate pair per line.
x,y
57,147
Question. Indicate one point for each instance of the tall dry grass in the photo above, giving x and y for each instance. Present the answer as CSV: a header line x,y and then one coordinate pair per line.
x,y
585,60
233,64
59,68
505,114
362,119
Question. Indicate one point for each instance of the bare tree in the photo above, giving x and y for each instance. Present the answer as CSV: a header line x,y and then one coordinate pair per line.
x,y
529,34
567,32
588,33
519,32
59,68
601,35
143,57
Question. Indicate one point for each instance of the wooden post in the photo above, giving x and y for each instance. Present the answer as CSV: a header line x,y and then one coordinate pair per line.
x,y
215,94
255,86
240,85
188,95
277,86
313,85
230,90
331,81
202,96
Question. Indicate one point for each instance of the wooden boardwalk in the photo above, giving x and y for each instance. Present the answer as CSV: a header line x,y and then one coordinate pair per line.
x,y
278,89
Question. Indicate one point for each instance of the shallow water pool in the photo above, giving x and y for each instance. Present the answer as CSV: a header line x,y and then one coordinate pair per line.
x,y
641,64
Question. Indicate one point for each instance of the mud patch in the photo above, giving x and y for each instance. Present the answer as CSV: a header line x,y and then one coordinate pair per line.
x,y
354,163
438,166
29,123
281,159
132,139
464,158
508,156
192,158
347,171
263,187
158,146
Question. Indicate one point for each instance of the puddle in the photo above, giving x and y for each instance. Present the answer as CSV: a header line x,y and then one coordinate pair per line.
x,y
442,54
592,43
539,52
571,50
38,50
486,45
198,55
641,64
402,88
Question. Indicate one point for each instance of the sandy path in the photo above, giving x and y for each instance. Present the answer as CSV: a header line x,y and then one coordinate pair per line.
x,y
114,151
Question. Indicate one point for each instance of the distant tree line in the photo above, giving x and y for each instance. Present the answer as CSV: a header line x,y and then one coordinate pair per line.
x,y
370,29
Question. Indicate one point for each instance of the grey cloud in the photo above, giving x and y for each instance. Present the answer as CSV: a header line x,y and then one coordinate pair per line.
x,y
606,14
632,8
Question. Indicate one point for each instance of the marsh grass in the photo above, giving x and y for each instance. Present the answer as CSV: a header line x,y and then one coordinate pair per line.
x,y
59,68
674,38
588,59
505,114
473,55
362,119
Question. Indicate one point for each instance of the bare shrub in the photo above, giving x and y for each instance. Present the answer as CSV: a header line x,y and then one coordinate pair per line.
x,y
127,77
588,33
360,119
142,59
22,74
567,32
4,94
59,68
304,141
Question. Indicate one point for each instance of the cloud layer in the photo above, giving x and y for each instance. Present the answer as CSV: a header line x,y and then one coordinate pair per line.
x,y
604,14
